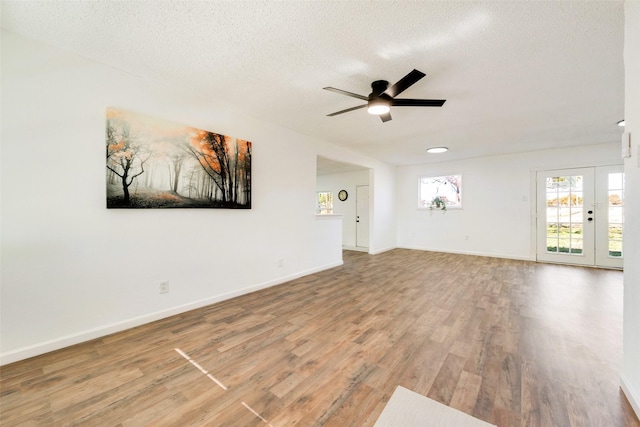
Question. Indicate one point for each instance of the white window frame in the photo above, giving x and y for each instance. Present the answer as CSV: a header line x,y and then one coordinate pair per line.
x,y
443,186
322,209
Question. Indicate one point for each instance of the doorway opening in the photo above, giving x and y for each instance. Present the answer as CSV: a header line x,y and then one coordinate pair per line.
x,y
350,186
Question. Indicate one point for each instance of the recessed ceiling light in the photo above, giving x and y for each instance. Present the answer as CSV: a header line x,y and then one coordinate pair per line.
x,y
436,150
621,122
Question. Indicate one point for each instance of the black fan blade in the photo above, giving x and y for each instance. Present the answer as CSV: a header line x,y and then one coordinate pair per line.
x,y
418,102
385,117
347,110
344,92
404,83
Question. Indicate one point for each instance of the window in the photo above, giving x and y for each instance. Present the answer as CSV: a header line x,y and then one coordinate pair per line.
x,y
436,192
325,203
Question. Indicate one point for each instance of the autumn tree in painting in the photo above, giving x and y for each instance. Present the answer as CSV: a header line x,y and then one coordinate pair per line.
x,y
227,163
157,164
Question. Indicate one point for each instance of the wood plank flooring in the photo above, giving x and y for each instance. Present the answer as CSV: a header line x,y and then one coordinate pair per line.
x,y
513,343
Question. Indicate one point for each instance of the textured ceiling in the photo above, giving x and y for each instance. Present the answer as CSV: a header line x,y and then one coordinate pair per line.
x,y
517,76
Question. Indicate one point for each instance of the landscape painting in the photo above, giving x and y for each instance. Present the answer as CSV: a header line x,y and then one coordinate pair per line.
x,y
153,163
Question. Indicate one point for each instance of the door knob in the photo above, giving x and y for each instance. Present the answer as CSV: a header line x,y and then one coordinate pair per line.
x,y
589,212
589,219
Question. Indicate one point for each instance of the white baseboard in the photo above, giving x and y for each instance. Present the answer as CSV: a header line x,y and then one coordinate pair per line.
x,y
632,395
484,254
379,251
367,250
89,334
355,248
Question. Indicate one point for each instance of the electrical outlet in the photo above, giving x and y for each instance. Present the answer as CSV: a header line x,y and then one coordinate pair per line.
x,y
164,287
280,262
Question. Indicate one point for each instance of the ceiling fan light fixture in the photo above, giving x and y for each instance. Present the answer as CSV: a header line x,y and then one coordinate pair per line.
x,y
437,150
383,97
621,123
378,107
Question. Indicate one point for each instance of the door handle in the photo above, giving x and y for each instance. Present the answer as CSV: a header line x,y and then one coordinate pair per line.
x,y
589,212
589,219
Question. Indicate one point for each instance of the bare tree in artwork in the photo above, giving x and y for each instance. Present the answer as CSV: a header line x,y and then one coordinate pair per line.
x,y
176,161
125,157
244,165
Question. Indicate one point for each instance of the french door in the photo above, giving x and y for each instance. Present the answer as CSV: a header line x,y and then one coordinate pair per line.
x,y
580,213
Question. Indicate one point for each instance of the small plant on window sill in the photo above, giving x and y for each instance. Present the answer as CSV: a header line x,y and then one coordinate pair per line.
x,y
438,203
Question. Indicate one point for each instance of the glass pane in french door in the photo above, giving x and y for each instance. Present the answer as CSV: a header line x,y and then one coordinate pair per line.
x,y
609,181
615,212
565,216
564,195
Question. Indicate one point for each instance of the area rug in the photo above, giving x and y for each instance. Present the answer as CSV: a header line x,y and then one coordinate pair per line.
x,y
410,409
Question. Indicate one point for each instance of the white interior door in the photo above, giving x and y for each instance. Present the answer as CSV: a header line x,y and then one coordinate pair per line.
x,y
580,216
362,216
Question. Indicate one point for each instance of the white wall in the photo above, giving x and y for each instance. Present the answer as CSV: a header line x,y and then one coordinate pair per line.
x,y
384,212
73,270
345,181
497,198
631,364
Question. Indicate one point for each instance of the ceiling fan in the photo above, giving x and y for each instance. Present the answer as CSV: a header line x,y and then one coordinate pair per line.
x,y
383,97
